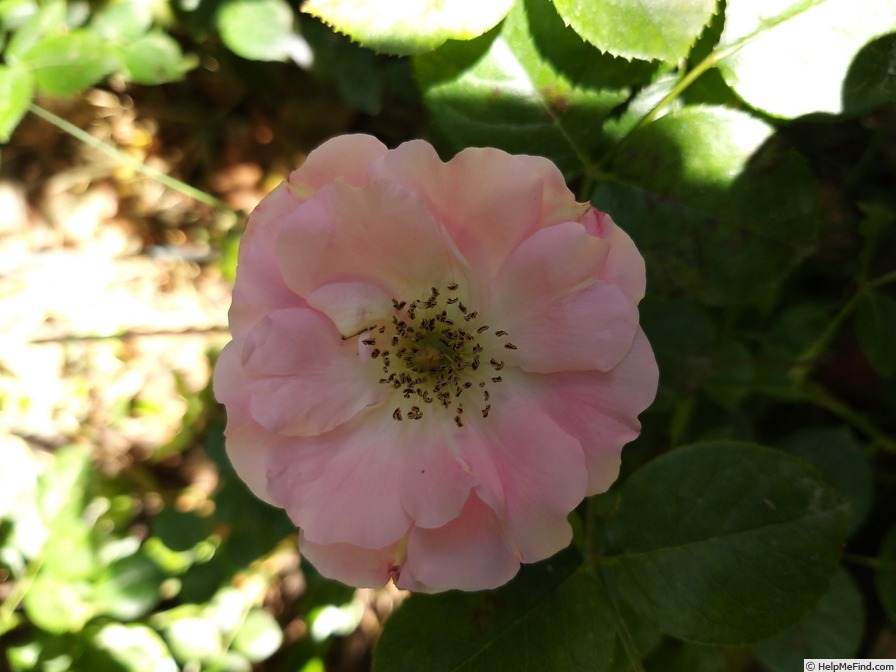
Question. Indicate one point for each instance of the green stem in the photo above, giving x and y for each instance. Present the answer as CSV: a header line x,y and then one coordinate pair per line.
x,y
821,398
19,590
131,162
628,644
806,362
872,563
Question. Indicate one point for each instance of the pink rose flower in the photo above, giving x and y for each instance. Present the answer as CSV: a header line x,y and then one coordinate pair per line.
x,y
432,363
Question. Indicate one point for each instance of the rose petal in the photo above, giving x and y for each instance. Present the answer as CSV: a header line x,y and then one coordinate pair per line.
x,y
488,200
346,156
542,470
368,481
624,265
246,441
353,306
589,329
259,287
602,408
354,565
380,234
469,553
305,380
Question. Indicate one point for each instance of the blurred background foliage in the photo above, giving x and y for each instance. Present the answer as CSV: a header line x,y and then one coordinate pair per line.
x,y
748,148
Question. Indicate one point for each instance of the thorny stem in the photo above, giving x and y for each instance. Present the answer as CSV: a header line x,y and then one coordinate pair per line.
x,y
820,397
131,162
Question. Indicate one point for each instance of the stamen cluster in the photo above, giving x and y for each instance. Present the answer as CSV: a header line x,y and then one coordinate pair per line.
x,y
433,353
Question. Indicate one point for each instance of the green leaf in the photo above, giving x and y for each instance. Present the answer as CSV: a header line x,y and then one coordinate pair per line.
x,y
57,604
833,629
555,615
16,92
155,58
405,28
876,327
678,656
193,638
125,21
260,30
70,63
127,648
259,637
792,58
885,576
659,29
724,542
499,91
837,457
49,19
128,588
720,211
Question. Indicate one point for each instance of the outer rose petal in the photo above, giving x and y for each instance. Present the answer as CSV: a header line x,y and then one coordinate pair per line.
x,y
247,442
469,553
487,199
346,156
625,265
601,408
368,481
259,287
542,470
380,234
354,565
305,380
590,329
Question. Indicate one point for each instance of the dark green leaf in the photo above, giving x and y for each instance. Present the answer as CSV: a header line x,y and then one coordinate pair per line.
x,y
876,325
871,79
723,542
260,30
792,58
409,28
885,576
834,453
833,629
155,58
498,90
555,615
70,63
677,656
660,29
720,211
16,91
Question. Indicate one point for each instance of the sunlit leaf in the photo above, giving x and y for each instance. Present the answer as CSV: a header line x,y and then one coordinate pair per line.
x,y
16,91
406,27
498,90
261,30
658,29
555,615
833,629
127,648
724,542
792,58
128,588
259,637
155,58
71,62
720,211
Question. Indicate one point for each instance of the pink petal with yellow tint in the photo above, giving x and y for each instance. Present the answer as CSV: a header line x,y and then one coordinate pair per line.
x,y
354,565
345,157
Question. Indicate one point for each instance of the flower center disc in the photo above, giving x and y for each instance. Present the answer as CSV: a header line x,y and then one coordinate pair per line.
x,y
428,358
